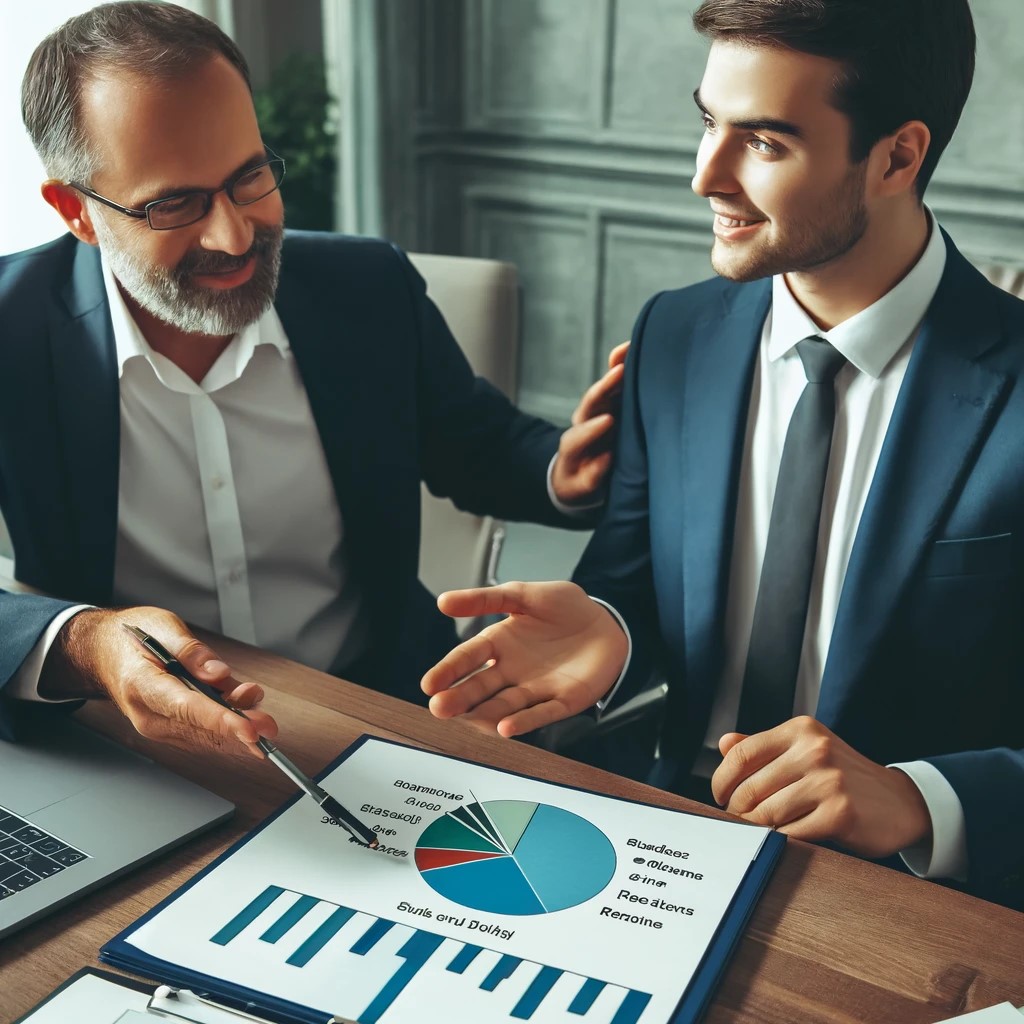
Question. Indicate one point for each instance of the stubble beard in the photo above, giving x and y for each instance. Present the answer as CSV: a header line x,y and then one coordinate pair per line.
x,y
171,294
831,231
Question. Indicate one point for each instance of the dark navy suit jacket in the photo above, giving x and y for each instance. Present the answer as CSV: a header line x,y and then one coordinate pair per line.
x,y
392,395
926,659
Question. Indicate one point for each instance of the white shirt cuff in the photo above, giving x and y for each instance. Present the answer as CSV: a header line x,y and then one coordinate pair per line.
x,y
603,703
946,855
24,684
575,511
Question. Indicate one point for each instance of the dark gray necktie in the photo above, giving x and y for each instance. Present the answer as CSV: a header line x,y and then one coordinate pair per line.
x,y
780,614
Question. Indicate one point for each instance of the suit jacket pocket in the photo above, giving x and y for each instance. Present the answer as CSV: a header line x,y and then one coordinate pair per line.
x,y
971,556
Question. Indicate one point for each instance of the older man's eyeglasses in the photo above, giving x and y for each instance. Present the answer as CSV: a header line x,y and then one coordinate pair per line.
x,y
249,185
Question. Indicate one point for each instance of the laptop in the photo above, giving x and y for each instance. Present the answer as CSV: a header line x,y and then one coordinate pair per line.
x,y
76,810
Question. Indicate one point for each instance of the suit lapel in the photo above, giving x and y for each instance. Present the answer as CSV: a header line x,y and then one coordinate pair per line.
x,y
947,403
720,363
331,383
88,418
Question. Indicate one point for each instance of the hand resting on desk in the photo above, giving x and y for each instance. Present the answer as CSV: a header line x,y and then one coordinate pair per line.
x,y
94,656
559,652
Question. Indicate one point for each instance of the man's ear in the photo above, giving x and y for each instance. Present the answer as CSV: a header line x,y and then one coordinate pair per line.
x,y
68,202
900,156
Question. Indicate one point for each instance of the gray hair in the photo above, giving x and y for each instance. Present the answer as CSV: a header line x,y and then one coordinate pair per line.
x,y
141,37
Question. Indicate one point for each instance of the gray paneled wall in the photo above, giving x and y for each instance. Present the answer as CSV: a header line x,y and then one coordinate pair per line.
x,y
561,134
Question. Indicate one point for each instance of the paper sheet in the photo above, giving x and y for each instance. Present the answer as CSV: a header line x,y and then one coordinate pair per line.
x,y
1004,1013
92,1000
493,898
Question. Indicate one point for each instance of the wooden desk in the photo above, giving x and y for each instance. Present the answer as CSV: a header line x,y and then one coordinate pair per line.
x,y
833,939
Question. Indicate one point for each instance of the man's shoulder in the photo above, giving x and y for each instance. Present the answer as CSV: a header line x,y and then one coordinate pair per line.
x,y
40,259
711,299
312,249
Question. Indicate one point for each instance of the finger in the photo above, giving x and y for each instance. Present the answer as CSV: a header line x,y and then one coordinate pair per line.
x,y
745,757
786,797
598,397
591,472
478,689
505,599
245,695
457,664
201,660
506,702
812,827
617,356
729,740
161,706
578,440
535,717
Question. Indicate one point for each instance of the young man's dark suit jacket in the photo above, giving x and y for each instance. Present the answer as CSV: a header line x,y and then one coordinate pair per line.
x,y
927,653
392,395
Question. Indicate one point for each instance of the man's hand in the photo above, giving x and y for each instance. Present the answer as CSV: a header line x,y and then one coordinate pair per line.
x,y
95,656
804,780
557,654
584,452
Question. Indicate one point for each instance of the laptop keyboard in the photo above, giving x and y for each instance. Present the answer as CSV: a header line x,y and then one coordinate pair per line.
x,y
29,854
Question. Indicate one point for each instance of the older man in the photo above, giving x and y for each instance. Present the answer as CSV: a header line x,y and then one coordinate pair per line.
x,y
206,414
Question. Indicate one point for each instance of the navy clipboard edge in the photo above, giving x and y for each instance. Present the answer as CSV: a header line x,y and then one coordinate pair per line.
x,y
119,952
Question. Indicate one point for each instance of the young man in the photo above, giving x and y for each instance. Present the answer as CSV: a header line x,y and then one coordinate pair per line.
x,y
820,476
207,414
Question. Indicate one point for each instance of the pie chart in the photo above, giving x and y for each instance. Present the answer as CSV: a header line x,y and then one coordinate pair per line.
x,y
514,857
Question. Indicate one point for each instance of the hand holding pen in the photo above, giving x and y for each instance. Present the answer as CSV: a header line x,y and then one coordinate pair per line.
x,y
93,656
324,800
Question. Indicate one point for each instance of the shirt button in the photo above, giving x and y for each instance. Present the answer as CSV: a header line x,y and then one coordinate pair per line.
x,y
235,576
217,482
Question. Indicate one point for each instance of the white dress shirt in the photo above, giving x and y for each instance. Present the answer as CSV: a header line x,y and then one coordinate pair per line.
x,y
226,510
877,342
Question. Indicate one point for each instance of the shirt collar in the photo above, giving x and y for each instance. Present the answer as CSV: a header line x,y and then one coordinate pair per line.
x,y
129,343
872,337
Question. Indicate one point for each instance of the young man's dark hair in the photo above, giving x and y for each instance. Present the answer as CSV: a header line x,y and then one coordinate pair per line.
x,y
902,60
155,40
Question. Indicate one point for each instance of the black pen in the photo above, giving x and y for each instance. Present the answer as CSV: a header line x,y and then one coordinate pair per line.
x,y
328,804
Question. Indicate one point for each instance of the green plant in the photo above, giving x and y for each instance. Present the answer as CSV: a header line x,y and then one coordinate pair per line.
x,y
297,117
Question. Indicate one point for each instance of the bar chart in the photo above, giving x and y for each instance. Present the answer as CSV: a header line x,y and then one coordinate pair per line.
x,y
405,965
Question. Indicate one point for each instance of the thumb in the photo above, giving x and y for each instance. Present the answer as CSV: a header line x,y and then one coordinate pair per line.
x,y
729,740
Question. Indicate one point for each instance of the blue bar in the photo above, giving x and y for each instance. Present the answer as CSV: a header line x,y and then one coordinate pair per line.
x,y
534,995
295,913
320,937
372,936
247,916
500,971
586,996
632,1007
417,951
463,959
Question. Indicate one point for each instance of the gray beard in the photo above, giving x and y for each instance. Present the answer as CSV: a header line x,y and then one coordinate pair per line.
x,y
172,296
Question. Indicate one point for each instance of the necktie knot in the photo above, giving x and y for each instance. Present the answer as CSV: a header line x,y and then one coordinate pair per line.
x,y
821,361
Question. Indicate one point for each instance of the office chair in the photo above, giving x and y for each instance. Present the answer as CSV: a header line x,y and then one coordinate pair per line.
x,y
1010,279
479,299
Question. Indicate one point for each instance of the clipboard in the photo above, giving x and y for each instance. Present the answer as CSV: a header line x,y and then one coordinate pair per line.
x,y
91,996
279,1009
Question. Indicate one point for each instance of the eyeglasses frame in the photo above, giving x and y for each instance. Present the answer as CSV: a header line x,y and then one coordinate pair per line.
x,y
227,187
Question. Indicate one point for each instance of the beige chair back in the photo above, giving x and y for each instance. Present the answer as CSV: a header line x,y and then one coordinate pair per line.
x,y
479,299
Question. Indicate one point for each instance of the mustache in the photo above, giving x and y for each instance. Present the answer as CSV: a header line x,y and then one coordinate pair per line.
x,y
202,261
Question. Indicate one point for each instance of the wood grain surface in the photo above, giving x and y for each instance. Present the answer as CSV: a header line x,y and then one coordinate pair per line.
x,y
834,939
